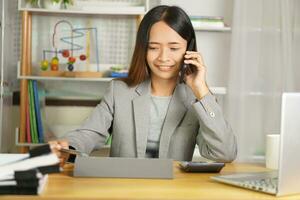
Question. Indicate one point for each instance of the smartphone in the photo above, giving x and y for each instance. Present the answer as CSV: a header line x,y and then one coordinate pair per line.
x,y
204,167
73,152
187,69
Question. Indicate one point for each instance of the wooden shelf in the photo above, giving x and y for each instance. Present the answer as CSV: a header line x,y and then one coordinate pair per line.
x,y
106,11
215,90
71,74
25,144
91,8
63,78
49,78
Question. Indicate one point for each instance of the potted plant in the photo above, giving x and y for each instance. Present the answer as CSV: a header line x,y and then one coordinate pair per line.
x,y
52,4
67,3
32,3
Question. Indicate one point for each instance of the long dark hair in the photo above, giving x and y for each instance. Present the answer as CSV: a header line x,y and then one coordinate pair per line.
x,y
176,18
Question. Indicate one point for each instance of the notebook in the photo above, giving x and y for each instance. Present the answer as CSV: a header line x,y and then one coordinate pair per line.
x,y
286,179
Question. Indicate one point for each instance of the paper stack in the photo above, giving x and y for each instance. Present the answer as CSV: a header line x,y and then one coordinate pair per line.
x,y
28,175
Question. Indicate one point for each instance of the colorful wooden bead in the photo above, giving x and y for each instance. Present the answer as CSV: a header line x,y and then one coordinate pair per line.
x,y
44,65
55,61
54,67
70,67
72,60
65,53
82,57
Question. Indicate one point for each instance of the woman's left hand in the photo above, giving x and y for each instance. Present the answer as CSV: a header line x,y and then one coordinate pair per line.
x,y
197,80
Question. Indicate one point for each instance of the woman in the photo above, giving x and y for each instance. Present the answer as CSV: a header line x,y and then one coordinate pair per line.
x,y
150,114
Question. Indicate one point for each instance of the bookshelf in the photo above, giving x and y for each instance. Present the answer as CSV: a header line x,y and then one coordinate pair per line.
x,y
104,11
26,69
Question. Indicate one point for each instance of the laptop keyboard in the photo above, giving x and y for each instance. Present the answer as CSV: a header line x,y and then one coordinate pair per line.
x,y
266,184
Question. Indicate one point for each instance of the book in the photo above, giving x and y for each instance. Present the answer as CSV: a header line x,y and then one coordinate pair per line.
x,y
34,133
47,132
38,112
30,114
119,74
207,21
28,133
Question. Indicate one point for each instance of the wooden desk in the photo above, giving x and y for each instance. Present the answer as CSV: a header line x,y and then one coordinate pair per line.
x,y
183,186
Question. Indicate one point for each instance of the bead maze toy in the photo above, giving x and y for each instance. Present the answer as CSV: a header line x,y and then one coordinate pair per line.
x,y
63,59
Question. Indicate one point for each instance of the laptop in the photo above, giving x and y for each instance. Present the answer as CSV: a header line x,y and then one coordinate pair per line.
x,y
286,179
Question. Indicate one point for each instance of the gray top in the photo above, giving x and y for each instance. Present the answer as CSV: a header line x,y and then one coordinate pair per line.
x,y
124,113
158,111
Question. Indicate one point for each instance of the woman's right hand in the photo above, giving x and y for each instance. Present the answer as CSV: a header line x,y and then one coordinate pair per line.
x,y
56,146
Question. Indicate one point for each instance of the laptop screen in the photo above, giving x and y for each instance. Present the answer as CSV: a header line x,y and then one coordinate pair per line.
x,y
289,161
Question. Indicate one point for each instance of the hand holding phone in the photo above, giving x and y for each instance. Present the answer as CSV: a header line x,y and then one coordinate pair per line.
x,y
194,75
187,69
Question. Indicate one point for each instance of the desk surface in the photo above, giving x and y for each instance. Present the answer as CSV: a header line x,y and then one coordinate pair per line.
x,y
183,186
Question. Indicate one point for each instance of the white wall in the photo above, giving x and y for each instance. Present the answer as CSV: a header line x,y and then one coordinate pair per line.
x,y
9,55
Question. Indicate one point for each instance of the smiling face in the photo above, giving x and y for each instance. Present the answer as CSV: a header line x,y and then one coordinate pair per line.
x,y
165,52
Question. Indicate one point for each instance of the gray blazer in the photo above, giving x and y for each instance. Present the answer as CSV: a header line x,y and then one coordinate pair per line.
x,y
124,113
